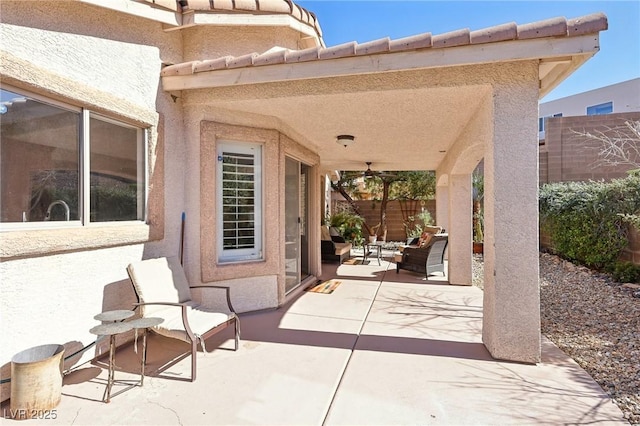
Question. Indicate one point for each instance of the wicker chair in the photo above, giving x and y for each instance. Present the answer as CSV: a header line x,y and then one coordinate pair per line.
x,y
425,260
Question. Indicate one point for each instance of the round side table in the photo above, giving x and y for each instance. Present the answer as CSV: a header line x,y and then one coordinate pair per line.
x,y
144,323
117,315
111,330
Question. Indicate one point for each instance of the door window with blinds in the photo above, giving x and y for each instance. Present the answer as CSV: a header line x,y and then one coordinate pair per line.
x,y
239,201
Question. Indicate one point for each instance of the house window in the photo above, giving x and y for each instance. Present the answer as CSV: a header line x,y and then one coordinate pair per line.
x,y
600,109
61,164
239,201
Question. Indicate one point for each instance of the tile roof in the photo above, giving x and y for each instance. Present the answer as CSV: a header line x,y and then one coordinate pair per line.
x,y
240,6
555,27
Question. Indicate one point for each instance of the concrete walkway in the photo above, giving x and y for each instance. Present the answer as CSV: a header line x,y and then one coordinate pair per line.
x,y
383,348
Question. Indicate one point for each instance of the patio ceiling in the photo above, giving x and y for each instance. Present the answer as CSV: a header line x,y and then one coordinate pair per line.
x,y
406,101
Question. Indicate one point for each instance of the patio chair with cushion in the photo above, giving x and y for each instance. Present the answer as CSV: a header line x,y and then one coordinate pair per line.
x,y
427,259
163,291
332,246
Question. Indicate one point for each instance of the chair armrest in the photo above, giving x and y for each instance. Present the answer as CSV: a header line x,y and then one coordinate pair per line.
x,y
220,287
183,306
159,303
338,239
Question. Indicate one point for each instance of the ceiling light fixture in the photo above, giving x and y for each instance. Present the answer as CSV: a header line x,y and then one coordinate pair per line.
x,y
345,140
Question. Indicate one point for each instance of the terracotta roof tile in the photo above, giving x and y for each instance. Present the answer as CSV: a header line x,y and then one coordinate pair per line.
x,y
243,6
453,38
587,24
419,41
556,27
250,5
339,51
270,58
548,28
492,34
184,68
213,64
206,4
375,46
310,54
275,6
241,61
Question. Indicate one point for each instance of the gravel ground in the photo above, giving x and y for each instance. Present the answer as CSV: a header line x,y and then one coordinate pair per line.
x,y
594,320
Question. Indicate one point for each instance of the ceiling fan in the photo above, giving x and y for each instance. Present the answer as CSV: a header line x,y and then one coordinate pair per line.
x,y
371,173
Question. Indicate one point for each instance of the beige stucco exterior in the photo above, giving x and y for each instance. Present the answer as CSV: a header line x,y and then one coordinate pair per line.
x,y
442,110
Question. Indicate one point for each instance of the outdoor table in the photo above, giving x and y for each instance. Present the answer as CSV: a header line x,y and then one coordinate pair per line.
x,y
117,315
144,323
111,329
368,250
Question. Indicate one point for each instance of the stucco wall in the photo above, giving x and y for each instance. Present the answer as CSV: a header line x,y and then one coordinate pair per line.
x,y
211,42
55,281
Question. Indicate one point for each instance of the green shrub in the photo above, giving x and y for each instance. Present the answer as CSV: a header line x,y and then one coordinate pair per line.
x,y
348,224
626,272
587,220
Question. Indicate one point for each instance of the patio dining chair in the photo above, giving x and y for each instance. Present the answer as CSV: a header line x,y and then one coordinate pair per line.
x,y
163,291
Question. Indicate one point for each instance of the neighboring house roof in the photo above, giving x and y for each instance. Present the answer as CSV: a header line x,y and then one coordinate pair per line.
x,y
555,27
242,6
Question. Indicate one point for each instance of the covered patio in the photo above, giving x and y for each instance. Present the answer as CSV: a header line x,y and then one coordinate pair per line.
x,y
383,348
183,79
439,102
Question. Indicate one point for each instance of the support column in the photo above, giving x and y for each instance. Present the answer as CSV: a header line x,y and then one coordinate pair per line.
x,y
460,232
442,202
511,311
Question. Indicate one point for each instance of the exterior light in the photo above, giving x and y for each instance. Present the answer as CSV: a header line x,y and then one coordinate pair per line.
x,y
345,140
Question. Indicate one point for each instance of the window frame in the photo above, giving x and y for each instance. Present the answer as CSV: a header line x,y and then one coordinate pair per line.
x,y
594,109
84,167
228,256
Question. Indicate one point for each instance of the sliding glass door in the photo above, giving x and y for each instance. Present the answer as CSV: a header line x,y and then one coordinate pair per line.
x,y
296,223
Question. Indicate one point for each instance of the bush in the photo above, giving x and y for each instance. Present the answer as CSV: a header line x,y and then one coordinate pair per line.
x,y
349,224
626,272
587,220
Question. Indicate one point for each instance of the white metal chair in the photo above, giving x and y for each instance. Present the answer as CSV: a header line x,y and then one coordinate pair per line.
x,y
163,291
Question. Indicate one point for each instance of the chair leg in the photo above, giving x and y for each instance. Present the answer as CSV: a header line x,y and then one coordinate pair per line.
x,y
237,329
194,352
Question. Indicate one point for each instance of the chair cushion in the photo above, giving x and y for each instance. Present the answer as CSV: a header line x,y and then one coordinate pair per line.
x,y
425,238
433,229
159,280
342,248
200,320
324,233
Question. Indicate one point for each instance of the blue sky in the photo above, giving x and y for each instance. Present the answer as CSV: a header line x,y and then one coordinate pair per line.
x,y
361,21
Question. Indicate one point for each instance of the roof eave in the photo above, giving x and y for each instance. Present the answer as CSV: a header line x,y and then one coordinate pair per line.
x,y
558,56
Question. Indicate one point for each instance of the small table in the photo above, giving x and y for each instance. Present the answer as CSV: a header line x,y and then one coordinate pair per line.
x,y
117,315
111,329
144,323
368,249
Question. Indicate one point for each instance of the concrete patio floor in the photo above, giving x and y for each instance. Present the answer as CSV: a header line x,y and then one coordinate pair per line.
x,y
382,349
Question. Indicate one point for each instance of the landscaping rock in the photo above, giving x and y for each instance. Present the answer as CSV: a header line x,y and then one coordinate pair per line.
x,y
594,320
